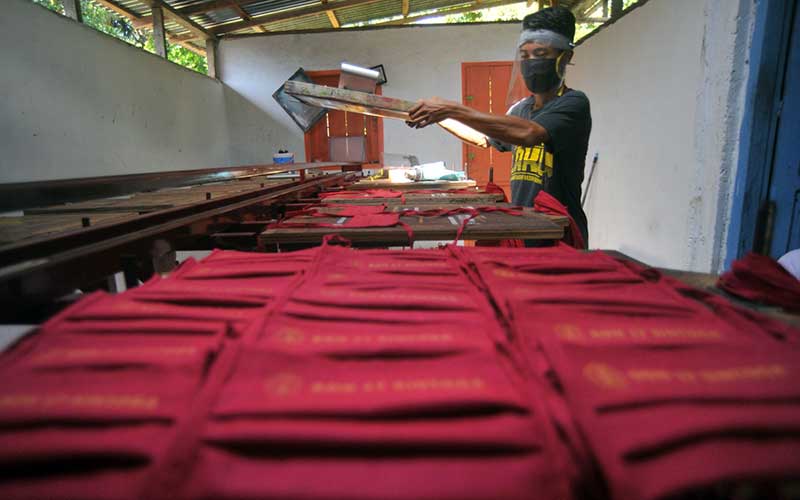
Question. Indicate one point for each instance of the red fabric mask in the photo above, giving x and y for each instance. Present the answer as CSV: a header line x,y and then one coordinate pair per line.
x,y
222,257
354,339
272,384
122,308
225,475
548,204
366,193
503,432
61,350
760,278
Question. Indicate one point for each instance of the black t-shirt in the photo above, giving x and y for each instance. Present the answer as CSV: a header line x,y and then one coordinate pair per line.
x,y
557,166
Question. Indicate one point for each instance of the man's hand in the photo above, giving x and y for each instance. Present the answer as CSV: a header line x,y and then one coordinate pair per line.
x,y
429,111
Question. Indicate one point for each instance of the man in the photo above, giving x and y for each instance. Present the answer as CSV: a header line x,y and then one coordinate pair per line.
x,y
548,130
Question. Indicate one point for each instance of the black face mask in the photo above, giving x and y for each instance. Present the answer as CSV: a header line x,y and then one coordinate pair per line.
x,y
540,75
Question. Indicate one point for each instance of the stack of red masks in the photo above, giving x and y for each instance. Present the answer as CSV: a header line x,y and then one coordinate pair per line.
x,y
384,375
760,278
667,394
94,403
464,373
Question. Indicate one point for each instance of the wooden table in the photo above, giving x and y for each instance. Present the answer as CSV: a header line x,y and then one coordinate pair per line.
x,y
488,226
50,220
152,201
410,186
463,199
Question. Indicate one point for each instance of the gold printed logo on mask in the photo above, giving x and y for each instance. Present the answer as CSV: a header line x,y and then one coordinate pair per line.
x,y
80,401
568,332
290,336
283,384
504,273
605,376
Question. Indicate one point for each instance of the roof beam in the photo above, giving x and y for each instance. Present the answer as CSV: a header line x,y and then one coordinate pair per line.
x,y
405,7
475,5
212,5
133,18
203,7
119,9
182,20
332,18
244,15
287,14
585,8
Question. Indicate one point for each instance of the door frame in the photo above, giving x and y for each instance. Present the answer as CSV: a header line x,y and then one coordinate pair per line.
x,y
768,56
337,72
464,66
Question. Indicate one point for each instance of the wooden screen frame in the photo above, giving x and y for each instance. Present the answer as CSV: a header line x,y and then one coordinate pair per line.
x,y
336,72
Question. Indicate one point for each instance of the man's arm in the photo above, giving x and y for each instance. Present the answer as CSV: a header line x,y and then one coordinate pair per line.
x,y
504,128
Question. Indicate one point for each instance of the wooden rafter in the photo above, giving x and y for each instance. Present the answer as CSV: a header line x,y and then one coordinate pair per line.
x,y
133,18
584,8
331,16
333,19
209,6
212,5
183,20
405,7
287,14
475,5
119,9
243,15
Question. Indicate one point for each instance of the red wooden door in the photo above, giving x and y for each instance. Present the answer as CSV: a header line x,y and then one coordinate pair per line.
x,y
342,124
484,87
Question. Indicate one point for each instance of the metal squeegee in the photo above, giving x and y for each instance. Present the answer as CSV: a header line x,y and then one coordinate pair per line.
x,y
374,105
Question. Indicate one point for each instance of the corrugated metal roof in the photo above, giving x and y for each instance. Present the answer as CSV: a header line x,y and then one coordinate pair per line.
x,y
222,17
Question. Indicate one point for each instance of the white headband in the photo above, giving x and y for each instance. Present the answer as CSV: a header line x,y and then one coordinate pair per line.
x,y
551,38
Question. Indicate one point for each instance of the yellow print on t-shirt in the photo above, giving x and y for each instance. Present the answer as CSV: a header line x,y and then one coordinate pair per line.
x,y
532,164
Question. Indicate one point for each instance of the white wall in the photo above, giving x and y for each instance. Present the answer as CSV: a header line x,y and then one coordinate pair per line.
x,y
75,102
666,83
419,61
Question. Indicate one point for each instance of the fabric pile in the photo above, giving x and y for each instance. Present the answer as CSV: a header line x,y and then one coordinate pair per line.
x,y
463,373
759,278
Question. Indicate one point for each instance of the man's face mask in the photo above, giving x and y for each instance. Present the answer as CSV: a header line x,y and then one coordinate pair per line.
x,y
541,75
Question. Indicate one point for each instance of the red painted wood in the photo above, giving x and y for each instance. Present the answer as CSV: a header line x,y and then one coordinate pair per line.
x,y
484,87
341,124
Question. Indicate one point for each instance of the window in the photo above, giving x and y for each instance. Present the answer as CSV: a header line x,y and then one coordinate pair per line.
x,y
111,23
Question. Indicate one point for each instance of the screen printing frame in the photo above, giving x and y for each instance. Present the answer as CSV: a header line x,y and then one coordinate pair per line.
x,y
308,114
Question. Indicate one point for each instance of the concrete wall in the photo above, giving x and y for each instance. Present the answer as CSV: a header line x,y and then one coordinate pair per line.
x,y
75,102
666,83
420,62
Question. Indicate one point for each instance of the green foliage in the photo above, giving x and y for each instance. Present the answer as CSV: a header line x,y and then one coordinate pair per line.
x,y
110,23
187,58
465,17
515,12
54,5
